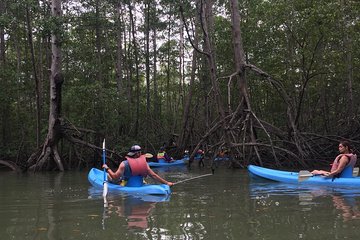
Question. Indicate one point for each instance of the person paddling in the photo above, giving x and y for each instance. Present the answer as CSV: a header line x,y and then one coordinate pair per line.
x,y
162,156
132,171
343,164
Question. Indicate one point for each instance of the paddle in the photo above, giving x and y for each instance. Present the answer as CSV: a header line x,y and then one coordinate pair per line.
x,y
105,185
304,175
205,175
355,172
149,155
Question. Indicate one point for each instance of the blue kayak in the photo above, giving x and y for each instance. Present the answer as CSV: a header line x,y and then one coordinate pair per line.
x,y
180,162
221,159
96,178
293,177
96,193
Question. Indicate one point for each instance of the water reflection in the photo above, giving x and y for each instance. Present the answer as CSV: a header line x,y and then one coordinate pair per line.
x,y
136,209
171,169
348,206
227,205
345,200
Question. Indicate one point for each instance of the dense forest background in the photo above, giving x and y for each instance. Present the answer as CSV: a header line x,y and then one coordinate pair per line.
x,y
275,82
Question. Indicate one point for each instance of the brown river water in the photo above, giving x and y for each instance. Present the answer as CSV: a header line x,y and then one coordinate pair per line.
x,y
227,205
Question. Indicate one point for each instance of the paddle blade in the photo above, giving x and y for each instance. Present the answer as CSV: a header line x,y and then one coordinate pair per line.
x,y
105,190
304,175
106,204
356,172
149,155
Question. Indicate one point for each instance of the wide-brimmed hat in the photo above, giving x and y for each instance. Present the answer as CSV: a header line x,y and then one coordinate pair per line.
x,y
133,150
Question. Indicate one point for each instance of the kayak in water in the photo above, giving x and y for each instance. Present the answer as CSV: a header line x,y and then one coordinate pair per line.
x,y
96,178
302,177
179,162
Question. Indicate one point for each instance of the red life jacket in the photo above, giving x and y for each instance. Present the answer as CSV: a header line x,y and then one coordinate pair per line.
x,y
347,171
138,166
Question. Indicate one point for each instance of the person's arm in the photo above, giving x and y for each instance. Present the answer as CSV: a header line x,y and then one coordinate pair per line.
x,y
153,175
167,158
342,164
119,172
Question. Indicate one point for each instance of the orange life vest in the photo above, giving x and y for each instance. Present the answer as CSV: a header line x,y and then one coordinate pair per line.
x,y
347,172
138,166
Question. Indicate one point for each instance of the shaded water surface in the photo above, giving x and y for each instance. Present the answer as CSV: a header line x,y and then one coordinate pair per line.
x,y
227,205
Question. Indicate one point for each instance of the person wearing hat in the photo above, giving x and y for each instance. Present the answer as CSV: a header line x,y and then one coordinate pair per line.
x,y
162,156
132,171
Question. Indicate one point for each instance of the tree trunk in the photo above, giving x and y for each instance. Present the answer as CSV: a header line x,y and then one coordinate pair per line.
x,y
156,104
185,131
127,68
119,50
2,36
348,60
137,104
4,107
147,67
207,19
178,100
50,150
239,56
36,79
98,40
167,89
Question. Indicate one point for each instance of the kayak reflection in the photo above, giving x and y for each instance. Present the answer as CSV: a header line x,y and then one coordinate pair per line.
x,y
135,208
345,200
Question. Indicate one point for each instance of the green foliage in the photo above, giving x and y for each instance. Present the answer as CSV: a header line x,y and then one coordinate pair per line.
x,y
300,45
224,46
311,47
